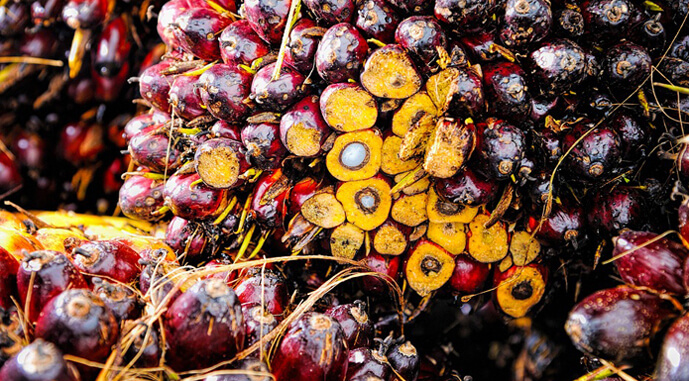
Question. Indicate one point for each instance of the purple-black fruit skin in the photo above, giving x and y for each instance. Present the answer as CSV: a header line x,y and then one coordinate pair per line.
x,y
223,90
240,45
503,146
154,86
421,36
608,20
625,66
377,20
565,223
185,237
525,22
405,360
558,65
506,90
465,16
341,53
264,148
331,12
596,155
268,18
617,209
363,361
204,326
467,187
140,196
109,258
673,358
278,94
153,150
184,97
617,324
198,30
267,288
258,323
355,323
199,203
303,43
31,364
121,300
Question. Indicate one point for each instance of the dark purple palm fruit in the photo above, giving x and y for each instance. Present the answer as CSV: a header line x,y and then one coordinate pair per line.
x,y
8,283
565,223
220,163
110,59
682,163
377,20
14,17
385,265
193,202
680,48
121,300
145,348
568,22
616,209
155,282
263,146
466,92
154,150
651,35
264,287
184,97
538,189
268,18
617,324
252,366
414,7
506,90
672,364
80,324
224,90
625,66
341,53
597,103
303,130
558,65
313,349
596,155
503,146
543,105
45,11
279,94
241,45
303,43
223,129
481,46
366,362
45,274
197,31
38,361
168,15
468,187
109,258
355,323
465,16
140,196
422,36
84,14
525,22
633,133
609,20
154,87
675,71
204,326
404,359
259,322
650,262
186,238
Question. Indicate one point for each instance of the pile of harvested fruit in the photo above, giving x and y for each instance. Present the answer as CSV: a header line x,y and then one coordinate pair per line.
x,y
344,190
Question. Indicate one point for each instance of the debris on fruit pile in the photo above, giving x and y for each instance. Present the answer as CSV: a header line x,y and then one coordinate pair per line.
x,y
344,190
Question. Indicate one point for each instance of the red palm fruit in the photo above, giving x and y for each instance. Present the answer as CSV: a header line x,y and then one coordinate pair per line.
x,y
469,275
386,265
503,146
111,60
421,36
220,162
303,42
154,150
520,288
683,221
656,265
223,129
565,223
223,90
184,97
8,275
10,177
617,209
240,45
259,323
356,325
625,66
268,18
120,299
52,274
506,89
111,258
310,340
525,22
331,12
80,142
672,360
45,11
263,146
154,86
143,122
341,53
155,282
377,20
404,359
617,324
265,287
14,17
38,361
193,202
465,16
596,155
558,65
186,238
112,177
80,324
84,14
300,192
140,196
467,187
167,18
197,32
302,129
281,93
41,43
269,199
204,326
366,362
